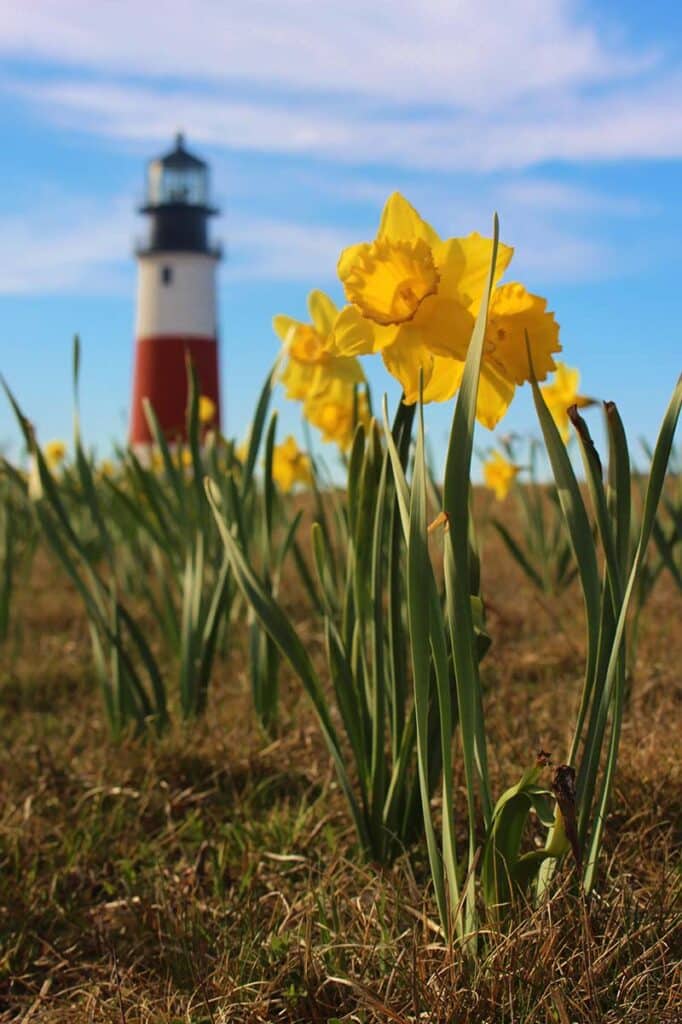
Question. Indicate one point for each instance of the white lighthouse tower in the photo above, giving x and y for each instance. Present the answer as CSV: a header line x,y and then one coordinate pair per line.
x,y
176,296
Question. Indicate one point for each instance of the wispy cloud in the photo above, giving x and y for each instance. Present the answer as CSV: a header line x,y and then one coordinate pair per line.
x,y
629,123
559,196
464,54
368,92
427,85
73,249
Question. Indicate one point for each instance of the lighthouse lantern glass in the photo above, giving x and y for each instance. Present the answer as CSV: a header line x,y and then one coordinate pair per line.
x,y
177,185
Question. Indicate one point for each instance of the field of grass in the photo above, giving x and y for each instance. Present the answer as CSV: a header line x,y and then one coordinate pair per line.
x,y
213,875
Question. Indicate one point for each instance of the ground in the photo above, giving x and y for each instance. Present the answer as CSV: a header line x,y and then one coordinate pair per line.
x,y
213,876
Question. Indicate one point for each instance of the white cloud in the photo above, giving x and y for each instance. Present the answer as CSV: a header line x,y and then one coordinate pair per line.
x,y
74,247
425,84
473,53
632,123
559,196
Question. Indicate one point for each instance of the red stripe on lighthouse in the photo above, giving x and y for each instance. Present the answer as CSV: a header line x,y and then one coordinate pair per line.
x,y
161,376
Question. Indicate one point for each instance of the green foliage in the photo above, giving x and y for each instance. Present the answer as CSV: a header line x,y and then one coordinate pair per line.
x,y
142,544
607,597
543,551
18,540
358,552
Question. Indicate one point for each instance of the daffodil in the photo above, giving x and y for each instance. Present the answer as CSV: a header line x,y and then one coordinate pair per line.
x,y
336,411
499,474
207,410
182,457
561,393
290,465
312,366
55,453
414,298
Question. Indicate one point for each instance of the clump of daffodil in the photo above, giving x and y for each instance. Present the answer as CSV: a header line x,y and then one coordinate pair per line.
x,y
55,453
290,465
207,410
561,393
414,298
499,474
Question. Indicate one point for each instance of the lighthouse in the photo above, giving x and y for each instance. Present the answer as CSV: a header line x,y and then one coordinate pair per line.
x,y
176,317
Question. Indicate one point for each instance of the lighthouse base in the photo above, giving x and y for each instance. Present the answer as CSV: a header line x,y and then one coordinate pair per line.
x,y
161,376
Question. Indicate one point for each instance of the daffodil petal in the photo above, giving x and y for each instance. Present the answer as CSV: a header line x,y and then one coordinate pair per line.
x,y
405,358
446,378
561,393
566,380
515,312
298,379
495,394
401,222
323,312
353,335
348,258
464,264
494,391
337,372
445,325
285,326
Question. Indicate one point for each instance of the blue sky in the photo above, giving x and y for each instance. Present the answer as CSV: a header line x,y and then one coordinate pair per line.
x,y
565,117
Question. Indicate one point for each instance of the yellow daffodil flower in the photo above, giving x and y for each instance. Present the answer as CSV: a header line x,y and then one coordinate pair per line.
x,y
414,298
311,366
207,410
561,393
290,465
499,474
55,453
106,469
182,457
332,412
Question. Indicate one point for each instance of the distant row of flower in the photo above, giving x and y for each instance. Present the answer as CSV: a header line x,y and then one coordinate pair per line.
x,y
329,403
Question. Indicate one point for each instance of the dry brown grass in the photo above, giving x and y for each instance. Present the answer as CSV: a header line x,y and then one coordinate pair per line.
x,y
213,876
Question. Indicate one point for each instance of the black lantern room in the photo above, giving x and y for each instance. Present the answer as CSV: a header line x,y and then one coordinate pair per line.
x,y
177,203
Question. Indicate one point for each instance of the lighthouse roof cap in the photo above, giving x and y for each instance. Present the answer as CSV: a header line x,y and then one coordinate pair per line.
x,y
179,158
